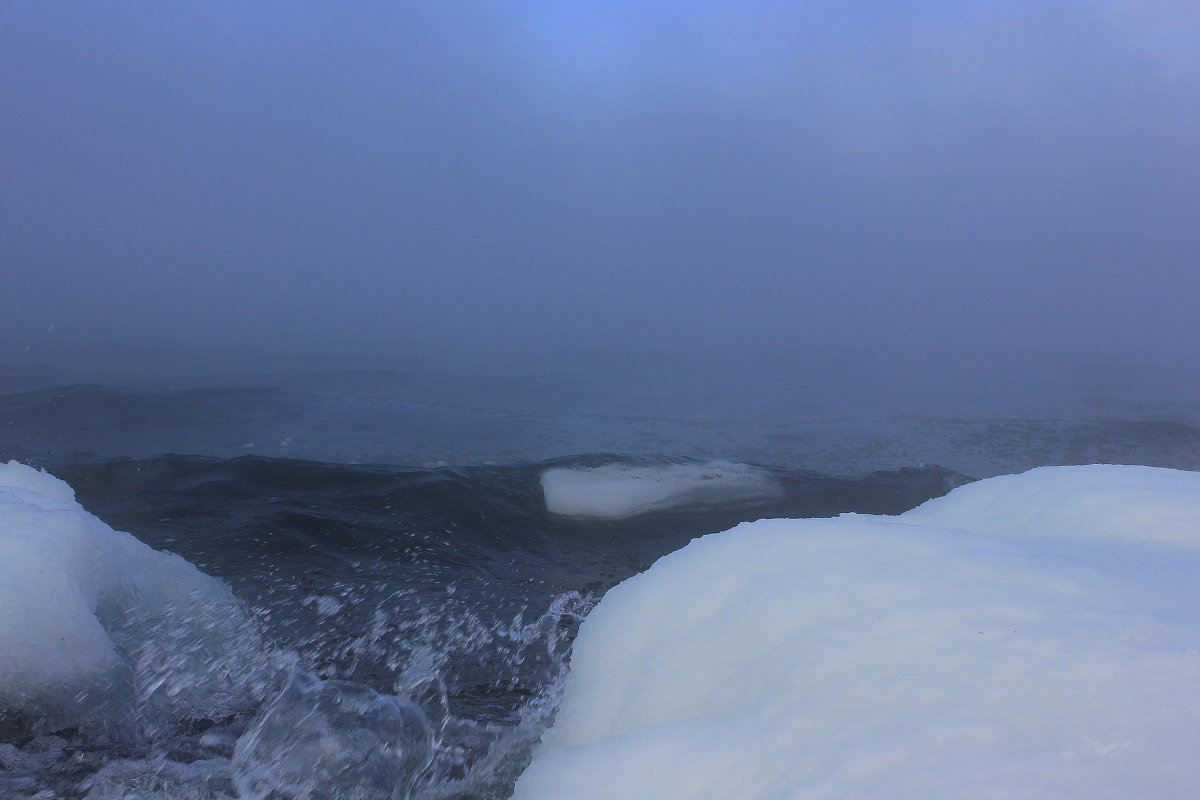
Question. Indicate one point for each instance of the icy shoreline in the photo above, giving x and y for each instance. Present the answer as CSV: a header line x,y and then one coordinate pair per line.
x,y
1029,635
102,632
1026,635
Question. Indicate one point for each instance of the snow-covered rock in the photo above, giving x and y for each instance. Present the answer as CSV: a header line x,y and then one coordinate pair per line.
x,y
1025,636
97,628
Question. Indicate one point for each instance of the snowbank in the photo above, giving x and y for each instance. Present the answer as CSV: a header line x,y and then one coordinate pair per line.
x,y
95,626
1146,504
616,491
873,657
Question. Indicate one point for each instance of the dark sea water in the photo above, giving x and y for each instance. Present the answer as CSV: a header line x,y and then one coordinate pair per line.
x,y
387,533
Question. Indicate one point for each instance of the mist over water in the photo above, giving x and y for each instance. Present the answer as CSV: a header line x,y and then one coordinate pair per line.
x,y
958,187
421,326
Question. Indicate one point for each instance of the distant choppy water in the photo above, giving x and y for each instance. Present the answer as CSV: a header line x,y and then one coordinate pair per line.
x,y
453,587
392,417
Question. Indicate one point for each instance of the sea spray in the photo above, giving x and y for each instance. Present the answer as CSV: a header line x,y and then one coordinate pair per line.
x,y
448,590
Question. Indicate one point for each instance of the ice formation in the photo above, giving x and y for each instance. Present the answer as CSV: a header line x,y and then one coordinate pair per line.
x,y
944,653
97,628
616,491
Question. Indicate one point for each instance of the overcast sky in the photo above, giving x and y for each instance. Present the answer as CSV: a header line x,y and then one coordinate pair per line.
x,y
604,174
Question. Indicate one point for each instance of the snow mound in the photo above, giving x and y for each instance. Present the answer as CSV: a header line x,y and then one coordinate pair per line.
x,y
871,657
616,491
1098,500
97,628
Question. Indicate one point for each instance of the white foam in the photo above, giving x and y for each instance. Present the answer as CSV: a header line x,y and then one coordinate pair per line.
x,y
873,657
616,491
93,621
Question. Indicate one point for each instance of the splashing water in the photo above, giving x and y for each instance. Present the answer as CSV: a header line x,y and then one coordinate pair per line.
x,y
331,737
398,628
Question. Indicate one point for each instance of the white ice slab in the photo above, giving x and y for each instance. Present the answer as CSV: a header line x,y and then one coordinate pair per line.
x,y
616,491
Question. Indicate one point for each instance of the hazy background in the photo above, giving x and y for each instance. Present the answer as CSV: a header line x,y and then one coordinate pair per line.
x,y
989,195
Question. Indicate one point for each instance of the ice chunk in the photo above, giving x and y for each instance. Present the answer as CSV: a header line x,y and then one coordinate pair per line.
x,y
87,615
332,739
615,491
870,657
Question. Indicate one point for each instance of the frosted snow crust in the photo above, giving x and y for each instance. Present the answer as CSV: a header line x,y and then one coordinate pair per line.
x,y
1102,501
97,628
876,657
620,490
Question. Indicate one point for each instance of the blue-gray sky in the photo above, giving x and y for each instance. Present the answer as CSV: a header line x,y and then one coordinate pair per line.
x,y
513,176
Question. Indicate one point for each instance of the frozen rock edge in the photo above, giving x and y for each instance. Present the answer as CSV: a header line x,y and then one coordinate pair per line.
x,y
1025,636
100,631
